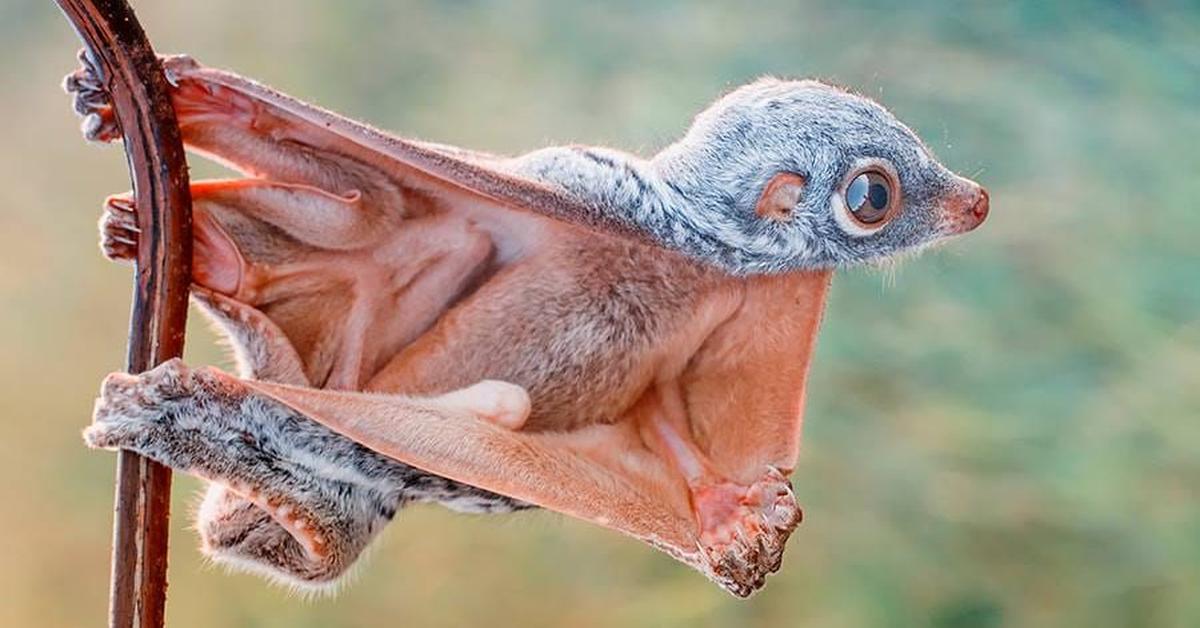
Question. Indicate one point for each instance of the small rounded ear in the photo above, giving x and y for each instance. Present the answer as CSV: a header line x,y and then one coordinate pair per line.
x,y
781,195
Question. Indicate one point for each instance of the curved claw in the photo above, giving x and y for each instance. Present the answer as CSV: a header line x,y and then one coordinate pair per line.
x,y
119,230
743,530
91,101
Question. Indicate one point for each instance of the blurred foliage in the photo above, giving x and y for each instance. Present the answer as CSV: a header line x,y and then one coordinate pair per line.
x,y
1005,432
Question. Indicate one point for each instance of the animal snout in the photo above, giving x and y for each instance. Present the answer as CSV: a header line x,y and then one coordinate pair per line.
x,y
966,209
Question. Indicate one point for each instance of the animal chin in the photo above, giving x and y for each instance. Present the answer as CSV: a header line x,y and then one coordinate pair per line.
x,y
890,261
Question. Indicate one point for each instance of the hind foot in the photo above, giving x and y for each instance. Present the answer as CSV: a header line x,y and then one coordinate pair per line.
x,y
743,529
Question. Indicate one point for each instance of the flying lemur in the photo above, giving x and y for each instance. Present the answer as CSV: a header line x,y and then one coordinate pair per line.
x,y
619,339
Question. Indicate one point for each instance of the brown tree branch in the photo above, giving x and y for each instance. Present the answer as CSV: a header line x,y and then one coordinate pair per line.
x,y
133,77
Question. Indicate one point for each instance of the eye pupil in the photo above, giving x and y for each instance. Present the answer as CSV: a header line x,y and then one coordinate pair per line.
x,y
878,196
869,196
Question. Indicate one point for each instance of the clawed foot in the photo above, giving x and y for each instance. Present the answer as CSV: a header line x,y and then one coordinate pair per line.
x,y
211,425
194,100
743,529
91,100
172,414
132,409
119,229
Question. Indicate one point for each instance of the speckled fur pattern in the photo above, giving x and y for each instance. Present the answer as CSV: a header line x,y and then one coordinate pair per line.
x,y
698,195
296,501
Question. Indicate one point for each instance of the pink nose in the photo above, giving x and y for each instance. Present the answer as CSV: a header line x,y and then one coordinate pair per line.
x,y
966,208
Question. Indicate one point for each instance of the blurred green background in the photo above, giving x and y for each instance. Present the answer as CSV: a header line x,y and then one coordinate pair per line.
x,y
1005,432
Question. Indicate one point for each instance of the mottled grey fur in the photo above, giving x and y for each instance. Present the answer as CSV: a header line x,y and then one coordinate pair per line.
x,y
345,492
698,195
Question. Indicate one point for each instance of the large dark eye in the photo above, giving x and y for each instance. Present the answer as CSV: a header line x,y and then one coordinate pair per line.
x,y
869,196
